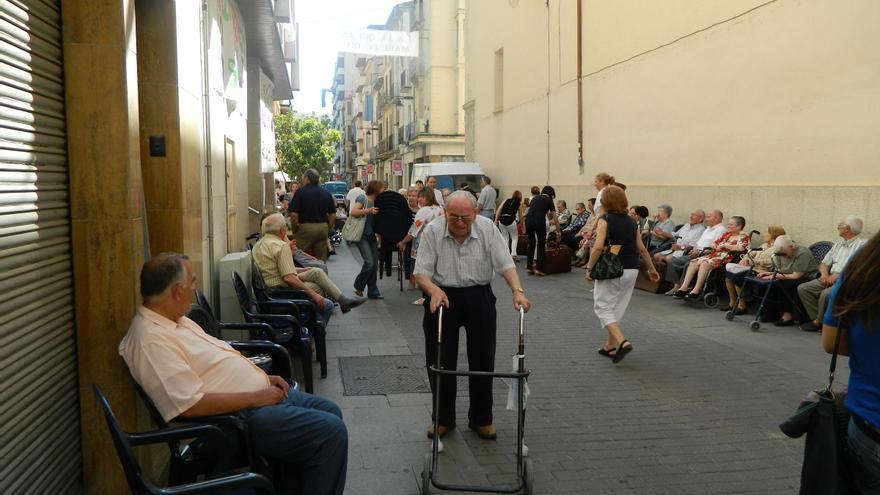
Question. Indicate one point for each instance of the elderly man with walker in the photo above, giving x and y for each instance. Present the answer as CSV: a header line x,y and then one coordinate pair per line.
x,y
457,260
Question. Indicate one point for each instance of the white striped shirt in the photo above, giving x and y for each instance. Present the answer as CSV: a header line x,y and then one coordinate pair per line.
x,y
474,262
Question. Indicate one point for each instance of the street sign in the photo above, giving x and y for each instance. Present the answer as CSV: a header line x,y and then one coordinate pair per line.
x,y
396,167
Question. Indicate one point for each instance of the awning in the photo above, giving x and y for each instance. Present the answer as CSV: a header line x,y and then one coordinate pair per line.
x,y
262,33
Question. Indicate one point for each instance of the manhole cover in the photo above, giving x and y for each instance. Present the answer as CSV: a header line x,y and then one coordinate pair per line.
x,y
382,375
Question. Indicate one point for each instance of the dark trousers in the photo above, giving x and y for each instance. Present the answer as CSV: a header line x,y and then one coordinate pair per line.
x,y
474,309
788,296
572,240
537,234
408,261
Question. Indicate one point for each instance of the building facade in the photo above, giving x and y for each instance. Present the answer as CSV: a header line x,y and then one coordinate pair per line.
x,y
762,109
408,110
129,127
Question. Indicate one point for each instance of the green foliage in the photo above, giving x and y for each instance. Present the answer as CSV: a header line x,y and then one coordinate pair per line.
x,y
303,142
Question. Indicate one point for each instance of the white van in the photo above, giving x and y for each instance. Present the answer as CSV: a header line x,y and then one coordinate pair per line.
x,y
450,175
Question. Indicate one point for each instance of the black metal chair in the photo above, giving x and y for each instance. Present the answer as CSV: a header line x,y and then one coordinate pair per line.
x,y
286,329
308,314
140,484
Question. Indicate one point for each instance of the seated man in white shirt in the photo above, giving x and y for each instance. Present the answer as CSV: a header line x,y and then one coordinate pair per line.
x,y
678,264
814,294
685,238
188,373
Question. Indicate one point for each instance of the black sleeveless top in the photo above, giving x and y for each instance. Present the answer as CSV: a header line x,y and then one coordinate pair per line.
x,y
622,231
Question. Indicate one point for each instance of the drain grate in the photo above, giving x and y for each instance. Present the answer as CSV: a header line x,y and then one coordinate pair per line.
x,y
382,375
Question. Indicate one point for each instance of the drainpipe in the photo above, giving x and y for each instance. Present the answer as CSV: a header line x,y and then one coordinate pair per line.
x,y
547,4
206,126
580,92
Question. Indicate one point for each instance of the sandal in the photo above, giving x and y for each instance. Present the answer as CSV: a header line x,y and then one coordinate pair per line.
x,y
539,273
605,352
622,351
359,293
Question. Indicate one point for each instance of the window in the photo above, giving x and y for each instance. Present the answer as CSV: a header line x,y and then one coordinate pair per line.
x,y
499,80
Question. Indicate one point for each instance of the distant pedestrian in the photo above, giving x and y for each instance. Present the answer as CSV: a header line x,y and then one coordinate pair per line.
x,y
487,199
438,194
611,296
352,195
507,219
457,259
419,185
312,214
540,208
368,245
853,309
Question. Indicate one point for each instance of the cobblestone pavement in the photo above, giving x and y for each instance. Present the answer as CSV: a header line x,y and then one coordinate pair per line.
x,y
693,409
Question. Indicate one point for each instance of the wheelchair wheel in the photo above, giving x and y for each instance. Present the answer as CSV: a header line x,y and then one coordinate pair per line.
x,y
426,475
711,300
528,477
729,316
755,325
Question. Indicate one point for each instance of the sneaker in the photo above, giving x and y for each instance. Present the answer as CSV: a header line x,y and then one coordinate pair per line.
x,y
346,304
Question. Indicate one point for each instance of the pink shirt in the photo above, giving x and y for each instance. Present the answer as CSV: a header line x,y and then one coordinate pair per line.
x,y
177,363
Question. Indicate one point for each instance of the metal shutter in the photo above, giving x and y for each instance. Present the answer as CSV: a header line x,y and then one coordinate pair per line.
x,y
39,411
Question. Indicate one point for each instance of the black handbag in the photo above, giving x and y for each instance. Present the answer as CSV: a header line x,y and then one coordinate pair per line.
x,y
823,418
608,266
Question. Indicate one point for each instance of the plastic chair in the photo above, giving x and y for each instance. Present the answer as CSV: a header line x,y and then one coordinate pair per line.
x,y
286,329
138,481
820,249
308,313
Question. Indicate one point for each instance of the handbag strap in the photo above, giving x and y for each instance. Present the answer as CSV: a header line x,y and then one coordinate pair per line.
x,y
834,356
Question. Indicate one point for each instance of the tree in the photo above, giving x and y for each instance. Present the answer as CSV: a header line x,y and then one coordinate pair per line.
x,y
303,142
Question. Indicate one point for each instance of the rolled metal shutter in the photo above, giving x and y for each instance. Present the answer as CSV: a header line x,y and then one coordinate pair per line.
x,y
39,411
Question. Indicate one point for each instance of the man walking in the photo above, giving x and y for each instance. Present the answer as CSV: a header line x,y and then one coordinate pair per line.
x,y
487,199
312,213
458,258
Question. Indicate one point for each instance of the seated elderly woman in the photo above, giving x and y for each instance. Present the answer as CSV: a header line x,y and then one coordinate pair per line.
x,y
724,250
759,260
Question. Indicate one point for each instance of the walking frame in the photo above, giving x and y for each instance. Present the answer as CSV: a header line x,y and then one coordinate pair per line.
x,y
524,468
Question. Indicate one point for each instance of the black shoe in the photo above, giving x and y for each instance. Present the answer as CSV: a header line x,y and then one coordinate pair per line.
x,y
810,327
783,323
693,297
679,294
726,307
739,311
346,304
767,319
375,296
622,350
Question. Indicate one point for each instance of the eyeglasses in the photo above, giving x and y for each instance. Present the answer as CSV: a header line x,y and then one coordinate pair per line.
x,y
459,218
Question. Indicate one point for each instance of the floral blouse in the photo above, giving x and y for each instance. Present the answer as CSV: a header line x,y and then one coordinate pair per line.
x,y
424,216
720,256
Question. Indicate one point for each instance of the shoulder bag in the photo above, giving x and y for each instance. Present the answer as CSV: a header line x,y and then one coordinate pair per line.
x,y
608,265
353,230
823,418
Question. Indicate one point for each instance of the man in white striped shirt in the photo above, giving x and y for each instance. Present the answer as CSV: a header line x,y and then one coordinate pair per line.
x,y
458,258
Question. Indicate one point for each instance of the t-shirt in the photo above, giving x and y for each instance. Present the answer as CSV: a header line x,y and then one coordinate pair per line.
x,y
352,196
487,198
312,203
622,231
801,260
538,208
666,226
863,394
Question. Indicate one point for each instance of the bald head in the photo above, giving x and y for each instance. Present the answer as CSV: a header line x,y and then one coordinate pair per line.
x,y
461,199
160,273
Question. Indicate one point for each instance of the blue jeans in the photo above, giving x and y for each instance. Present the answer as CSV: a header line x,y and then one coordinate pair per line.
x,y
865,460
327,312
369,250
307,435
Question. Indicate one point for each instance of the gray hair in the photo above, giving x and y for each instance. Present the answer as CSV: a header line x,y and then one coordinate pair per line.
x,y
701,213
462,194
312,175
272,224
159,273
855,224
783,242
666,208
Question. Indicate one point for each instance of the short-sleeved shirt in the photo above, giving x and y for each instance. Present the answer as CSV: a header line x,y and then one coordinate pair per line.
x,y
177,363
369,219
353,195
801,261
487,198
863,393
312,203
710,235
274,259
621,231
840,254
666,226
474,262
438,197
538,208
424,217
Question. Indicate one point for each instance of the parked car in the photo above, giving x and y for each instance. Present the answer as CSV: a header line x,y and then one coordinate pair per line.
x,y
338,190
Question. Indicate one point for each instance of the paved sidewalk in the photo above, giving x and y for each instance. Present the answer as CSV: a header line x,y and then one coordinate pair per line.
x,y
693,409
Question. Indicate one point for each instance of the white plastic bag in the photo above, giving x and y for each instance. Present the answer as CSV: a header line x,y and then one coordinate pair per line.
x,y
513,390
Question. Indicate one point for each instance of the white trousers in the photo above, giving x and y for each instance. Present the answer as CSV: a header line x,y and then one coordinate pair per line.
x,y
510,231
611,297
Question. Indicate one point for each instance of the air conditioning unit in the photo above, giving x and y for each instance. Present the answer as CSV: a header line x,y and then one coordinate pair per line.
x,y
230,311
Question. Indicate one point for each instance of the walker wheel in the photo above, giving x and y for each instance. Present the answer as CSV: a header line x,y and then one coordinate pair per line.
x,y
528,477
755,325
729,316
711,300
426,475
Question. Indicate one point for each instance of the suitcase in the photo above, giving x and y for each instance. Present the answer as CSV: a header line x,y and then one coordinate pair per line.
x,y
644,283
522,245
557,259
